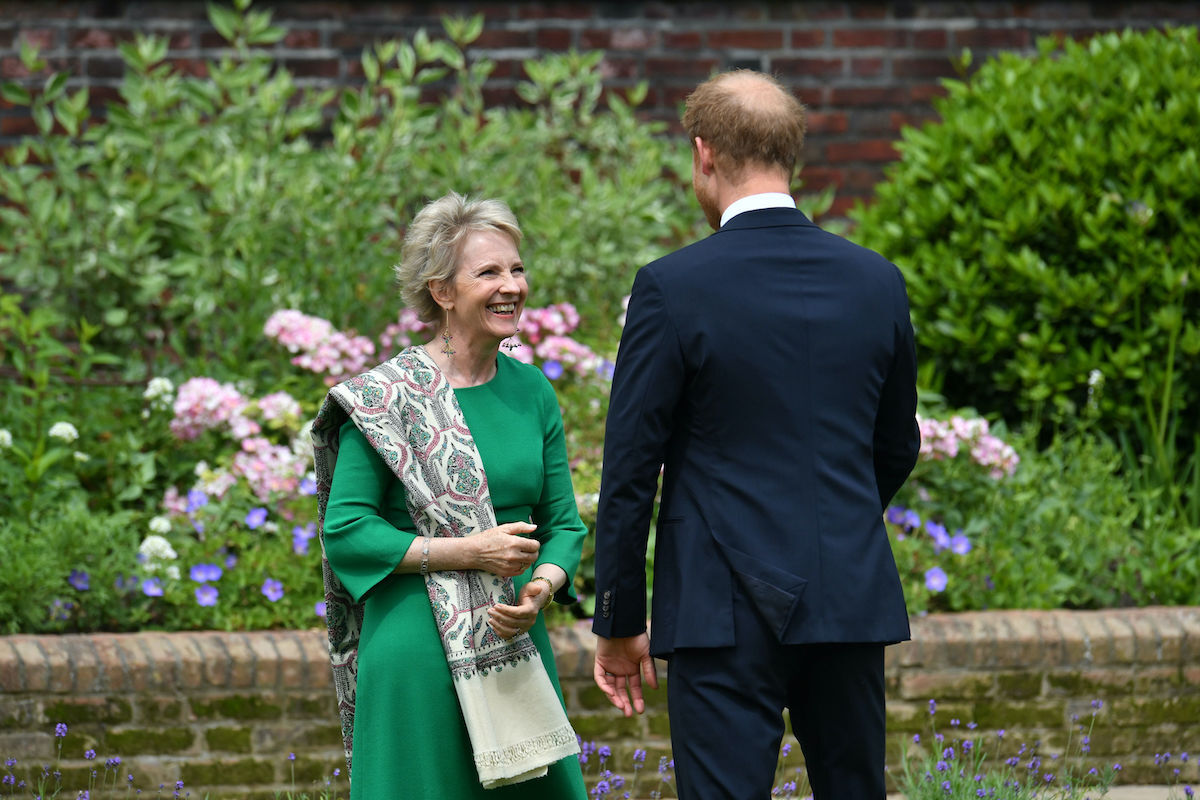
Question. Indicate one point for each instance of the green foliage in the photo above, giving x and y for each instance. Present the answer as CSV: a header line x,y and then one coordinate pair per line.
x,y
199,205
1049,230
43,455
41,558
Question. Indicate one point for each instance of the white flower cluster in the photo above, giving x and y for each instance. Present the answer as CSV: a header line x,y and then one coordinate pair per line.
x,y
156,550
159,394
64,431
6,439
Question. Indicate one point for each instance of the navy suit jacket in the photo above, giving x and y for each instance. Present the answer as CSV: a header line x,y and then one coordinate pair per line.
x,y
770,370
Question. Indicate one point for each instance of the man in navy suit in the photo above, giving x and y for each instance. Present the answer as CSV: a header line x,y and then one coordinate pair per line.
x,y
770,370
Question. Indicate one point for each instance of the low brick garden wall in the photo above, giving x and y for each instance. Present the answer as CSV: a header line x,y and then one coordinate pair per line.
x,y
223,711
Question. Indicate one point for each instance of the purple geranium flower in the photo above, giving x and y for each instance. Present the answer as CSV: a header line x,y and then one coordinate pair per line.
x,y
255,518
272,589
206,595
79,580
196,499
912,519
959,543
941,539
935,579
308,486
895,515
301,534
202,573
552,369
152,587
319,608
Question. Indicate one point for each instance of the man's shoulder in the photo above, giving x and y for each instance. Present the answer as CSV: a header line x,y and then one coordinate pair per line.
x,y
686,257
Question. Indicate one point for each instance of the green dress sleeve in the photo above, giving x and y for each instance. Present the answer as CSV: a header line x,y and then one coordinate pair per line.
x,y
362,541
560,530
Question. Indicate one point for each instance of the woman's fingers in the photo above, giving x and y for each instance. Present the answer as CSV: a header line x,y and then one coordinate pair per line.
x,y
516,528
508,621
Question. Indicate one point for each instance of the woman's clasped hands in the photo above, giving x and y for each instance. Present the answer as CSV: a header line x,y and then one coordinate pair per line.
x,y
504,551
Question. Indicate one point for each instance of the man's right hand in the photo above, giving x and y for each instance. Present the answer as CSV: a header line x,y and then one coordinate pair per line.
x,y
620,666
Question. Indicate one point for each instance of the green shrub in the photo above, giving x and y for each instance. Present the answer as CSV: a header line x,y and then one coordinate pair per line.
x,y
988,520
1049,230
202,204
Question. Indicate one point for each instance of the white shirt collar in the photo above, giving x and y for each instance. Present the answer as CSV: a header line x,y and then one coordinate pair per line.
x,y
757,202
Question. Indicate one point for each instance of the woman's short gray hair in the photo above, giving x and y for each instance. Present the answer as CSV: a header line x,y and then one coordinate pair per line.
x,y
434,241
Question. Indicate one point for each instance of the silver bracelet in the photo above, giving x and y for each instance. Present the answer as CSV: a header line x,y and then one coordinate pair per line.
x,y
425,558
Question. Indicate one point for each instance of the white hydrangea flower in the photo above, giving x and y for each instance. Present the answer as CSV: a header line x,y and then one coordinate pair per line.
x,y
63,430
158,387
5,438
157,548
160,525
81,456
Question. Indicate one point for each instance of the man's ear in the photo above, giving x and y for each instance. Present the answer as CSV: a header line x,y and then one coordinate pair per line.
x,y
704,155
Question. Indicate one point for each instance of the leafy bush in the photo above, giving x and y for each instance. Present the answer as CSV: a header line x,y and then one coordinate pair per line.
x,y
987,524
1049,229
200,205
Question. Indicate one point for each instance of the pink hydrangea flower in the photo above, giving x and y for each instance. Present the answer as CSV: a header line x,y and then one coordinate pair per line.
x,y
320,347
278,405
269,469
204,404
296,330
397,336
217,483
553,320
943,439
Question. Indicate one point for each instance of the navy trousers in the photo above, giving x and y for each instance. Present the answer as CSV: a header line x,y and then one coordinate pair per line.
x,y
726,709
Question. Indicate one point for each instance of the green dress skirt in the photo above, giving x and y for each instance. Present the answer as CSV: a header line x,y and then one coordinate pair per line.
x,y
410,739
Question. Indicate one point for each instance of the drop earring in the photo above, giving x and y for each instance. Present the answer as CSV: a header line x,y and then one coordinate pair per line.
x,y
511,343
447,348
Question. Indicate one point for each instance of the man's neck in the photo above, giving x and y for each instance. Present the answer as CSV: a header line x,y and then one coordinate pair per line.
x,y
752,184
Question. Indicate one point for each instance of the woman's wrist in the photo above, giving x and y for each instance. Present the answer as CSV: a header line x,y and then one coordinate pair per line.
x,y
549,588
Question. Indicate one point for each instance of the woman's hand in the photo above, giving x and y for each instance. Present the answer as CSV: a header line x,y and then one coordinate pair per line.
x,y
503,551
508,621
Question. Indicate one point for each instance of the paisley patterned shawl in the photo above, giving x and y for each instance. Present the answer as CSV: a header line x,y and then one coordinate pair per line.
x,y
407,411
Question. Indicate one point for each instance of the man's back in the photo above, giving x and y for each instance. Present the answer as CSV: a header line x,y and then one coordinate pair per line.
x,y
790,343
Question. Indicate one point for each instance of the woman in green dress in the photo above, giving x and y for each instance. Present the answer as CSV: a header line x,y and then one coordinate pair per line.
x,y
412,585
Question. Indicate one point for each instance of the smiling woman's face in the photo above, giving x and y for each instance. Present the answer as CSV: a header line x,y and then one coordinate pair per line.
x,y
489,288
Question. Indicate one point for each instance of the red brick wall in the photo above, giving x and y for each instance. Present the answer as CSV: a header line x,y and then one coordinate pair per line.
x,y
222,711
865,69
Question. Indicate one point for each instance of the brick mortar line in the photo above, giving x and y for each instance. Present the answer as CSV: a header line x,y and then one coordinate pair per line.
x,y
45,661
